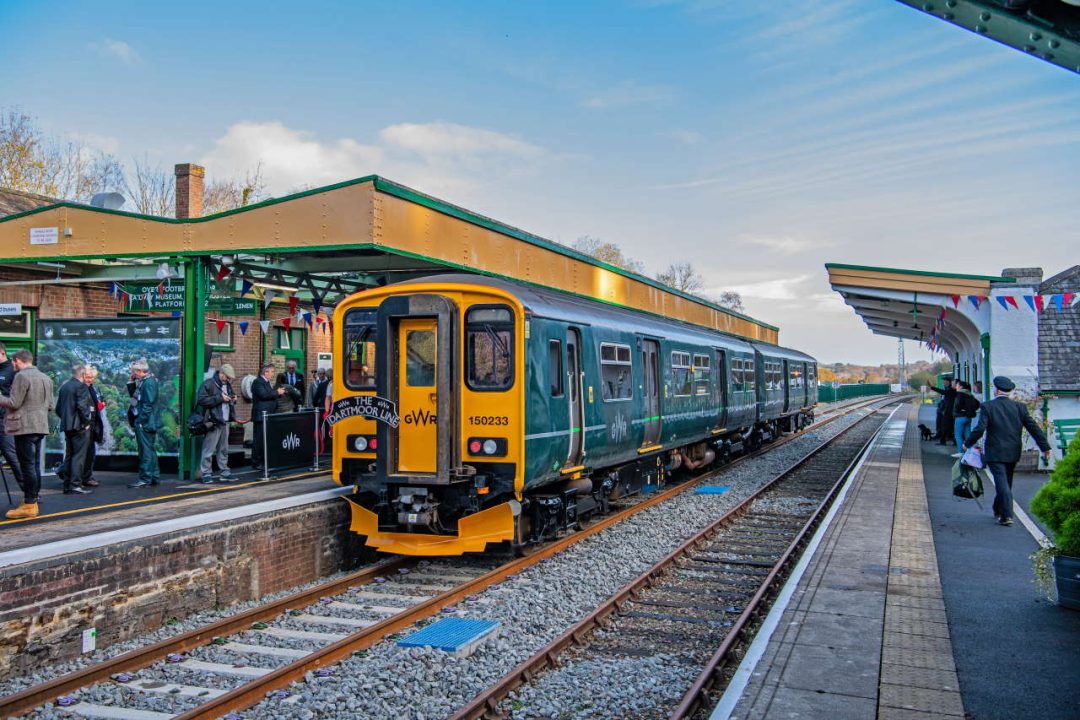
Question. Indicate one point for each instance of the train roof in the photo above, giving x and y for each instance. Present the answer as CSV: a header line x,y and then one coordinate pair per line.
x,y
550,303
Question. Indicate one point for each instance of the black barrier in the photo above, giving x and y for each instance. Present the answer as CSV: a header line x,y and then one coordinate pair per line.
x,y
289,440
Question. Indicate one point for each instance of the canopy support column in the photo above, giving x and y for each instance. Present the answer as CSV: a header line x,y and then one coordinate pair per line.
x,y
196,289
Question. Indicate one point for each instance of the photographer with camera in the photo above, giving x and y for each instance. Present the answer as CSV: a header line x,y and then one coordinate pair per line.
x,y
216,399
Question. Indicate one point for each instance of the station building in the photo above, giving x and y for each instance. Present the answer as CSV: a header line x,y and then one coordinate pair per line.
x,y
260,282
1016,324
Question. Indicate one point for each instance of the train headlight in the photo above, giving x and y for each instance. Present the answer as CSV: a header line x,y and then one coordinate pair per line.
x,y
360,444
490,446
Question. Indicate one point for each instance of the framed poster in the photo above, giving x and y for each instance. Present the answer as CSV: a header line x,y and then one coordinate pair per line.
x,y
111,345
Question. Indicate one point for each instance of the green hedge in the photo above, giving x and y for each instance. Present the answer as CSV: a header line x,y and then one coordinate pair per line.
x,y
826,393
1058,501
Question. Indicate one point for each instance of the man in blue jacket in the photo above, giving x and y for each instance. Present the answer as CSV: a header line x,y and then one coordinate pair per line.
x,y
1002,420
145,419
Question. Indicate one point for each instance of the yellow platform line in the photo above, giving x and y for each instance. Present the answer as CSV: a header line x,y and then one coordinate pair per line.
x,y
139,501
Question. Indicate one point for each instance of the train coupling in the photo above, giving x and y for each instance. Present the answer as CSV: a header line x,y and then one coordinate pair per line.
x,y
415,507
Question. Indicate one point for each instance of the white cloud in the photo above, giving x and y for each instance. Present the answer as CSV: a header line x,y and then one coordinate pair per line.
x,y
117,49
784,245
449,139
626,93
441,158
783,288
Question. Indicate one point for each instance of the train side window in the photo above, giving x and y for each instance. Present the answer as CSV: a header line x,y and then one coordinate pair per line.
x,y
489,348
748,375
555,367
680,373
702,373
795,375
359,349
616,372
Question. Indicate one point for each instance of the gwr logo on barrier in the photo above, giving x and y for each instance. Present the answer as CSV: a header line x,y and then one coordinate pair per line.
x,y
418,417
290,442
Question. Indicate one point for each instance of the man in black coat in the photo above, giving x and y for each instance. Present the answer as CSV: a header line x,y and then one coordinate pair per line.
x,y
97,425
263,399
7,442
945,419
1002,419
294,378
73,406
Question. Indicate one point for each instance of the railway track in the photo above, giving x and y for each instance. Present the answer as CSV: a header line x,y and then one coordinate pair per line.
x,y
696,607
232,664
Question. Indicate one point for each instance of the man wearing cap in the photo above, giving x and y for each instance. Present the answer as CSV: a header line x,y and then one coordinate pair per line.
x,y
216,398
1002,419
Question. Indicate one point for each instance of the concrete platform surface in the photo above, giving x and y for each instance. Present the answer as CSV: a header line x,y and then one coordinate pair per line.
x,y
916,604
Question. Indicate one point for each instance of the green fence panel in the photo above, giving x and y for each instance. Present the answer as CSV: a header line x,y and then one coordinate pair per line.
x,y
827,393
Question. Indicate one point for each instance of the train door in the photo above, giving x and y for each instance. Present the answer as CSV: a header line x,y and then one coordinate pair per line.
x,y
650,350
418,395
720,396
789,392
577,409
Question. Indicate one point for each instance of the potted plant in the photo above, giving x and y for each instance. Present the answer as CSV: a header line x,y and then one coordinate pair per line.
x,y
1058,505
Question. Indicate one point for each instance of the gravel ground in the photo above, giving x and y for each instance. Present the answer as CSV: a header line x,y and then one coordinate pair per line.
x,y
533,608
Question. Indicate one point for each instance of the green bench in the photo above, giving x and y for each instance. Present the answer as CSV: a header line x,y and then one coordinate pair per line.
x,y
1066,430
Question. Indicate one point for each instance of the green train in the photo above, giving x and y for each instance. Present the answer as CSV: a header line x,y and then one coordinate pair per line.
x,y
470,410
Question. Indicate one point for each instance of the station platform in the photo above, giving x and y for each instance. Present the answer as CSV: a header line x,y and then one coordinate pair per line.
x,y
913,604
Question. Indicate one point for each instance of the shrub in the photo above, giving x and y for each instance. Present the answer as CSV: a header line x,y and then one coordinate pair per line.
x,y
1058,502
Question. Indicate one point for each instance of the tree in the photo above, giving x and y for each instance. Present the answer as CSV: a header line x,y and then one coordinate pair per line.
x,y
222,195
682,276
607,252
31,162
731,300
152,189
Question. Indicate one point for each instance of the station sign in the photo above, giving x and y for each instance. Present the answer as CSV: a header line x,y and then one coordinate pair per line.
x,y
10,309
149,296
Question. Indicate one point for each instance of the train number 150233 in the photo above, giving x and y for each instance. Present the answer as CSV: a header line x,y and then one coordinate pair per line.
x,y
489,420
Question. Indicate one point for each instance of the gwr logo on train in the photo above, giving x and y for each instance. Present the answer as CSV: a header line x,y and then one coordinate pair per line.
x,y
513,435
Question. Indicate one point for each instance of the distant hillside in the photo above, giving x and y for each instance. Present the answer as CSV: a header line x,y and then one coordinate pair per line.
x,y
917,372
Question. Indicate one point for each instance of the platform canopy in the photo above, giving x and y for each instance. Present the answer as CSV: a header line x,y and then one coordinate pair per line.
x,y
1046,29
334,240
947,311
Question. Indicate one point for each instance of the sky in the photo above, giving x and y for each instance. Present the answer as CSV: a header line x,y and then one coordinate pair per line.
x,y
756,140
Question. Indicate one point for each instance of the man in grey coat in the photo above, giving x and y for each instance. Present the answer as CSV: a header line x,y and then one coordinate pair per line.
x,y
27,420
1002,420
216,399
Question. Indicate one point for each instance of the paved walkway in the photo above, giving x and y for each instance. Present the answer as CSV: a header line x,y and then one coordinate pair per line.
x,y
866,633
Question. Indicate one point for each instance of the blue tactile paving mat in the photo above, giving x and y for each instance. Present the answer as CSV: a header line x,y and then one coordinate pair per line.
x,y
450,634
712,490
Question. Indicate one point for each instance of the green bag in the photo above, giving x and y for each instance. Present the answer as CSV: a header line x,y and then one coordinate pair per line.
x,y
967,482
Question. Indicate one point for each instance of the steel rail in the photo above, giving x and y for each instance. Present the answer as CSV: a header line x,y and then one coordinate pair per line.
x,y
486,704
698,693
251,693
139,658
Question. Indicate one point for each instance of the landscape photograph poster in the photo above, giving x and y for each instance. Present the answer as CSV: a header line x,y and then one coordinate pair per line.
x,y
111,345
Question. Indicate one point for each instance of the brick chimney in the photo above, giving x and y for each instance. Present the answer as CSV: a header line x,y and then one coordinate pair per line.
x,y
189,190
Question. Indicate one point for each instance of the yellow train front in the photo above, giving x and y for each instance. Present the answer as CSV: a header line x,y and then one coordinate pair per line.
x,y
428,415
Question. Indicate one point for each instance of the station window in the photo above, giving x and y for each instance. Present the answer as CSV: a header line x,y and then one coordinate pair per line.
x,y
616,372
555,367
217,339
489,348
359,351
702,373
291,339
680,373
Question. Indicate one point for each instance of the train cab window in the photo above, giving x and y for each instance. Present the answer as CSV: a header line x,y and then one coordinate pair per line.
x,y
359,351
489,348
795,378
616,372
420,358
702,373
555,367
680,373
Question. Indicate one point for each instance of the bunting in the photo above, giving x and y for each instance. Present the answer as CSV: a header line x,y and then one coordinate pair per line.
x,y
245,287
955,301
265,325
293,302
287,322
307,318
1030,301
976,300
1012,301
268,297
243,325
220,325
1038,302
222,273
316,302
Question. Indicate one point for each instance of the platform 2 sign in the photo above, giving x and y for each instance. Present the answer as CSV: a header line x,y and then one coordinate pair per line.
x,y
369,406
290,440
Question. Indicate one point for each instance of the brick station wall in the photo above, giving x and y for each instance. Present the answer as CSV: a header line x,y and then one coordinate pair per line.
x,y
133,588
